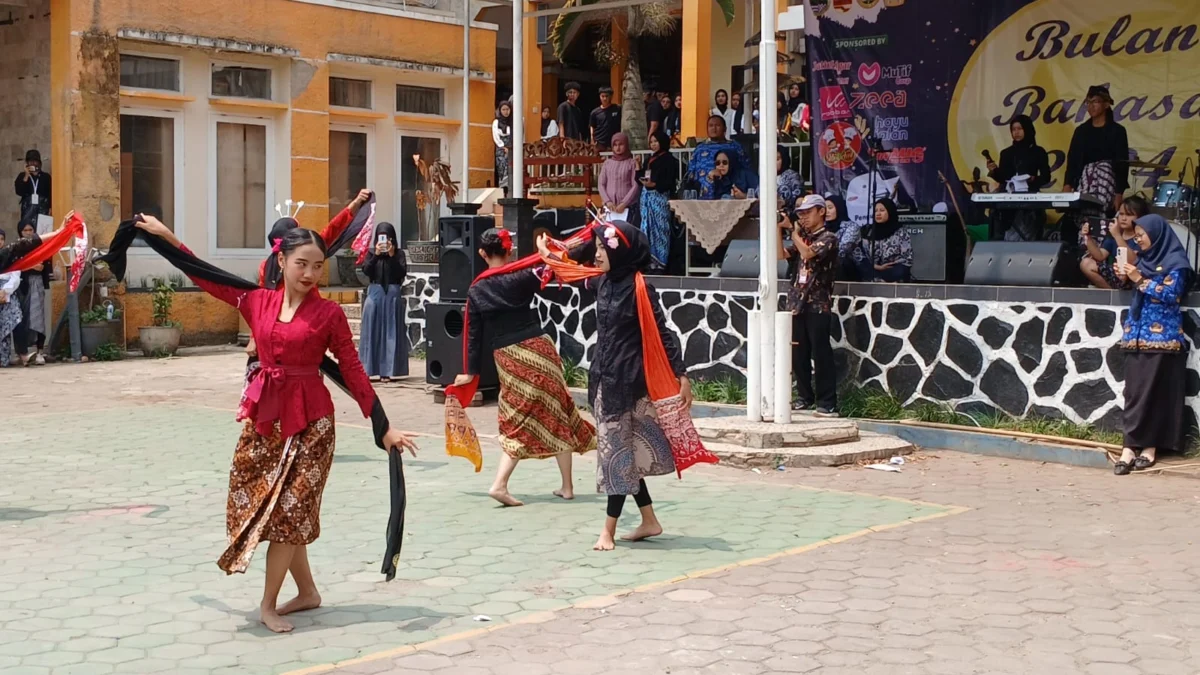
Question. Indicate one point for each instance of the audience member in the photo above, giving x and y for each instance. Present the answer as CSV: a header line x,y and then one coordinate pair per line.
x,y
659,177
812,268
705,155
1099,263
33,187
655,116
30,333
722,110
572,122
1155,346
788,186
671,120
549,126
383,341
850,252
739,121
605,120
618,181
888,247
502,138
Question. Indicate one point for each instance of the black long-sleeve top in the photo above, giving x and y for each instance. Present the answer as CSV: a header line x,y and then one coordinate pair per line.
x,y
1091,143
387,269
24,190
664,172
618,362
1019,159
500,313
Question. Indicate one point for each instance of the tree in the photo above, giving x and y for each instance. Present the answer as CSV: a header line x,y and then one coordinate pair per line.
x,y
650,20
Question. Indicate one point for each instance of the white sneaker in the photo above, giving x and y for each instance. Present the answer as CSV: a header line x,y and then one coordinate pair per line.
x,y
40,360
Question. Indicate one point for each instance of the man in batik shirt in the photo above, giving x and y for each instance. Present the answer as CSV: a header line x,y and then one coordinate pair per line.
x,y
812,267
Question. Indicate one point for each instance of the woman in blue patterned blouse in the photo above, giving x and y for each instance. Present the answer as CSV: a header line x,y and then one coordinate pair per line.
x,y
1155,344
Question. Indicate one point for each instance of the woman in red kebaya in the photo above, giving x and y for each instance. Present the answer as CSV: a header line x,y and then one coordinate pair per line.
x,y
286,448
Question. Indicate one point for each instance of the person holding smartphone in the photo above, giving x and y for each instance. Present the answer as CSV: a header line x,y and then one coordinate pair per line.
x,y
383,338
1100,262
33,187
658,178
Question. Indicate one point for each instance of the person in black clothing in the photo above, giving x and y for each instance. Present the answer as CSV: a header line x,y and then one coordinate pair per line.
x,y
671,120
660,175
538,418
812,269
1023,158
33,187
572,122
1098,160
605,120
655,115
383,342
35,283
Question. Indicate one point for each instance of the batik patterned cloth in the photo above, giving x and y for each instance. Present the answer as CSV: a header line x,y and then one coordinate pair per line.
x,y
656,223
1100,181
275,488
631,446
10,316
461,439
538,418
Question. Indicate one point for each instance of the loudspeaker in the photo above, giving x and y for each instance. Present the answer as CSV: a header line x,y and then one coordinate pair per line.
x,y
444,324
558,223
1015,263
928,234
741,261
458,258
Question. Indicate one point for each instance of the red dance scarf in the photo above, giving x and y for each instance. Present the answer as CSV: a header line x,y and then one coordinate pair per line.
x,y
51,245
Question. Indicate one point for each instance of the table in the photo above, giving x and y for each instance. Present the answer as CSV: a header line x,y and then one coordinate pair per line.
x,y
713,223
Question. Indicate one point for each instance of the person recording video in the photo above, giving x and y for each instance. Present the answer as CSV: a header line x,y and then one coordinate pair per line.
x,y
33,187
1100,262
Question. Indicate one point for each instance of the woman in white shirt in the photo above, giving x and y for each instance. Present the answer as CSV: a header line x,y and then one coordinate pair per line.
x,y
549,126
502,137
10,314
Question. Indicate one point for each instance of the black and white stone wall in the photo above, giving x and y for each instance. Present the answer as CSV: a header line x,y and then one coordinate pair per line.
x,y
1045,359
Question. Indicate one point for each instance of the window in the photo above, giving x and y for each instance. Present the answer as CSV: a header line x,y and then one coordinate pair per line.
x,y
241,167
420,100
148,167
350,93
241,82
347,167
146,72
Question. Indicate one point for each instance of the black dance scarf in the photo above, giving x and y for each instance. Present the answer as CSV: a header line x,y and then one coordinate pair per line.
x,y
195,267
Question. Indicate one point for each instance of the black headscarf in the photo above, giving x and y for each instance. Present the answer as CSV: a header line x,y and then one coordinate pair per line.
x,y
1030,132
718,106
839,203
632,253
504,120
880,231
384,270
546,125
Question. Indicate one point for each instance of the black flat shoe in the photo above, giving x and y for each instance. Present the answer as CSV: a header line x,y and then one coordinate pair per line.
x,y
1143,463
1123,468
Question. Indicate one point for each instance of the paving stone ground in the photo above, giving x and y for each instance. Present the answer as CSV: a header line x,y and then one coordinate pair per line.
x,y
111,520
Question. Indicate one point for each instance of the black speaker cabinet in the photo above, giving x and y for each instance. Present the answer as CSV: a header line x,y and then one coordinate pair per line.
x,y
444,326
741,261
1015,263
558,223
459,262
928,234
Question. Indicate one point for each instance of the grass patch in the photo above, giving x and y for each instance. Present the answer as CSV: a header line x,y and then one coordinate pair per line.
x,y
107,352
872,403
721,390
575,375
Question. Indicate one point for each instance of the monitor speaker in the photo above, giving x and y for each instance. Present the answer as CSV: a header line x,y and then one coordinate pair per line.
x,y
741,261
444,335
458,260
1016,263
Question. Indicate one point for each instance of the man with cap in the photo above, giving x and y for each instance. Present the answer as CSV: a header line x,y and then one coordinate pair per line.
x,y
1098,160
33,187
812,267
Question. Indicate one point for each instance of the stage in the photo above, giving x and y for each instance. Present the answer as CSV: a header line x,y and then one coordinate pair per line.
x,y
1050,352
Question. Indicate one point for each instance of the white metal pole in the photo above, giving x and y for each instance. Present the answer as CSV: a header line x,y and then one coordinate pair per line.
x,y
783,379
466,119
754,367
768,240
517,177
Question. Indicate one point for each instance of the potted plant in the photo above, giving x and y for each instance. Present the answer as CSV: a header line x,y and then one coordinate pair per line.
x,y
434,184
100,325
161,339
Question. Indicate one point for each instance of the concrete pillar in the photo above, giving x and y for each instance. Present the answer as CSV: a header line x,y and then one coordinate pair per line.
x,y
533,77
696,79
620,49
310,142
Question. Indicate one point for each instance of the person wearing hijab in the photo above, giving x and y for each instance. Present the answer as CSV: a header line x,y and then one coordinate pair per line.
x,y
285,452
658,179
618,179
739,121
887,246
704,157
502,137
1155,346
30,334
724,111
383,338
731,180
637,383
789,187
1023,158
538,419
549,126
10,313
849,235
671,119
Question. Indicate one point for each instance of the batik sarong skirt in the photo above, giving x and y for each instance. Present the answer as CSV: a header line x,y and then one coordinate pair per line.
x,y
538,418
631,446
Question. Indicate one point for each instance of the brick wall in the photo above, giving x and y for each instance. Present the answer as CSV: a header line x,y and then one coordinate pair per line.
x,y
25,106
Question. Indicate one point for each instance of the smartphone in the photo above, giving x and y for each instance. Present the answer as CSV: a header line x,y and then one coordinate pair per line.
x,y
383,239
1122,258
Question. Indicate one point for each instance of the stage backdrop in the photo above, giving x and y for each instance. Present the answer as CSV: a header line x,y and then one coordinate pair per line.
x,y
933,83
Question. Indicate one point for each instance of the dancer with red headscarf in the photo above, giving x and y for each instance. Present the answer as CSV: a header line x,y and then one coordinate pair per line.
x,y
538,418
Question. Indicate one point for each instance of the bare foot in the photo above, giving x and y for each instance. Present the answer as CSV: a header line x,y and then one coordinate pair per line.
x,y
644,531
300,603
274,623
504,497
604,543
564,493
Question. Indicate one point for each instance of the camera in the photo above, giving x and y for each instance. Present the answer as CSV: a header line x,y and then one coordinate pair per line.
x,y
1097,227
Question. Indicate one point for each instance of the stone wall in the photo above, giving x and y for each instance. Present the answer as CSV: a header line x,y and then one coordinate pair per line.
x,y
1056,360
25,106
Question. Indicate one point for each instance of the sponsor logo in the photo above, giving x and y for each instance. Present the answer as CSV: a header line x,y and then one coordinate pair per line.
x,y
844,81
831,65
843,5
884,99
902,156
867,4
819,8
861,42
839,146
833,104
901,75
869,73
891,129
